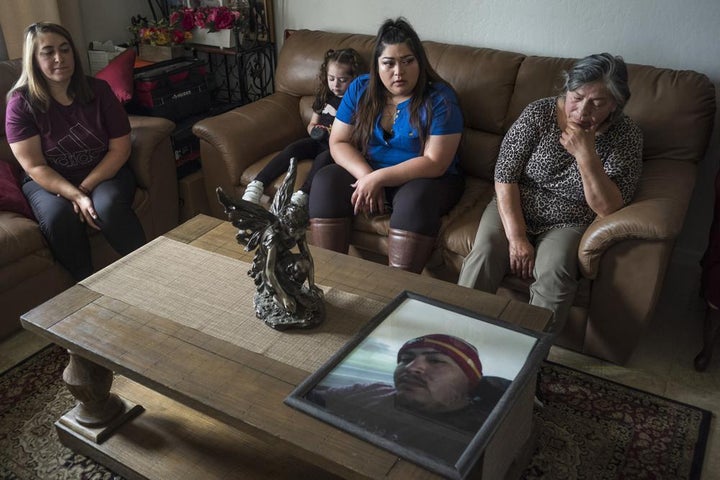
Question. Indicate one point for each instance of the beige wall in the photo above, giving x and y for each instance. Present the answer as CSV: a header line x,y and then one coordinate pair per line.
x,y
16,15
109,19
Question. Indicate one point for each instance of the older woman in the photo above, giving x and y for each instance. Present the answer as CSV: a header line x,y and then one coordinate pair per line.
x,y
566,160
72,137
394,141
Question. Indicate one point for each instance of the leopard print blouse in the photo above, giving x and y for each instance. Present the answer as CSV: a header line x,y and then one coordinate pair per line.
x,y
551,190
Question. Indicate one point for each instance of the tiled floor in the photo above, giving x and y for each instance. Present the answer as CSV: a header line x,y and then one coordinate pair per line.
x,y
662,363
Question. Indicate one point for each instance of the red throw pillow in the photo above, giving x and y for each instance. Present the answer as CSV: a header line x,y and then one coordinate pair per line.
x,y
119,74
11,196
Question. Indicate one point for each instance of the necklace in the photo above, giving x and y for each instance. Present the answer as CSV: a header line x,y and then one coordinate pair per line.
x,y
388,125
393,113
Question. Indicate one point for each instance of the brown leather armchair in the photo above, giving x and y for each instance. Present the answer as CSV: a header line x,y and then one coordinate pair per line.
x,y
623,256
28,273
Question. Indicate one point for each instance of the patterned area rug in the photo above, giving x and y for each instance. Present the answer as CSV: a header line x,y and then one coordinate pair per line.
x,y
32,397
590,428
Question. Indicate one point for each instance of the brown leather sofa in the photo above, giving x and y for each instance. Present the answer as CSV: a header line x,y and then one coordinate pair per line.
x,y
28,273
623,257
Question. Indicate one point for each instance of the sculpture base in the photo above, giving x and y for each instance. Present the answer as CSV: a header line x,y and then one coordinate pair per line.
x,y
309,311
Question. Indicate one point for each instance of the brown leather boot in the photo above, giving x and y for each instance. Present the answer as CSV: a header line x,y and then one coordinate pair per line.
x,y
408,250
330,233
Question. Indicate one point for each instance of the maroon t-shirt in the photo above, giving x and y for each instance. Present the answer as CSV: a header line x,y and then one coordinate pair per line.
x,y
74,138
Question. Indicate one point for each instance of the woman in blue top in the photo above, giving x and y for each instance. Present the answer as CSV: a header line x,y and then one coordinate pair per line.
x,y
394,142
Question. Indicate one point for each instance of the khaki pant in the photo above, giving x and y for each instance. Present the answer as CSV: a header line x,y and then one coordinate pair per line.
x,y
556,263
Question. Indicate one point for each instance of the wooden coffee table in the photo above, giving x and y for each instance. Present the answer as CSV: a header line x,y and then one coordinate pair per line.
x,y
213,399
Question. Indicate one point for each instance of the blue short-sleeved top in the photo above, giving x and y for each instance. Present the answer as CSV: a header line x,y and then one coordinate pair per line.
x,y
404,144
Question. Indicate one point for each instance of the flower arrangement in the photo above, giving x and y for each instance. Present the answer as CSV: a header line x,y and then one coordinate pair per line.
x,y
211,18
179,25
159,33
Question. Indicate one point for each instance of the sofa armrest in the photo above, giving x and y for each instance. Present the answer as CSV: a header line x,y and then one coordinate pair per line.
x,y
153,161
147,133
655,214
234,140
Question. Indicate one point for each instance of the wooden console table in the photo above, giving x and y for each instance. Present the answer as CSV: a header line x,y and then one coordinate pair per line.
x,y
185,344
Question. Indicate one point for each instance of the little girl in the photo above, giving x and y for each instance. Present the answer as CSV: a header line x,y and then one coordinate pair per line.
x,y
338,69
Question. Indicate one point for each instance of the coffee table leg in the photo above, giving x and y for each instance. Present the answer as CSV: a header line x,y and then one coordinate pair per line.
x,y
98,411
90,385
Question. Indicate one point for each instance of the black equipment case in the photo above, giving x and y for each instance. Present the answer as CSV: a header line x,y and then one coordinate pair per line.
x,y
174,89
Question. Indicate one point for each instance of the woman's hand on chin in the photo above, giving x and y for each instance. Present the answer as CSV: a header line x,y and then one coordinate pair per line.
x,y
578,140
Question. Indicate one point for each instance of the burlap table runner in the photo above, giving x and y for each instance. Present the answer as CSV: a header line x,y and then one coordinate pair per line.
x,y
213,294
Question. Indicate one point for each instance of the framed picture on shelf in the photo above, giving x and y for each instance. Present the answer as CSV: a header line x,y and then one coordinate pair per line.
x,y
430,382
205,3
262,20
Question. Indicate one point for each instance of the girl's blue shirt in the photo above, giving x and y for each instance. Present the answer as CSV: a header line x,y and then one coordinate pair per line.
x,y
404,143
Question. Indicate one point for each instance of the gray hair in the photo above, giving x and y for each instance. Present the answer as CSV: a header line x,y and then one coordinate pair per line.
x,y
603,67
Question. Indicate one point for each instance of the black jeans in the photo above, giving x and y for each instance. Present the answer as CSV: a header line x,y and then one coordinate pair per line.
x,y
417,206
67,235
301,150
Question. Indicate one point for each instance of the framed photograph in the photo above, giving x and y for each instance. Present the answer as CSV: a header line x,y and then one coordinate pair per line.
x,y
263,20
205,3
426,380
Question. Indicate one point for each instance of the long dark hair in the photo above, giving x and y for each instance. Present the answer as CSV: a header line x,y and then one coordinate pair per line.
x,y
372,103
32,79
348,57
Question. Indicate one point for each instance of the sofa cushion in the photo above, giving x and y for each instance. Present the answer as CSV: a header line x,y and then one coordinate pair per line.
x,y
26,268
483,78
19,236
303,52
538,77
119,74
460,226
684,96
11,196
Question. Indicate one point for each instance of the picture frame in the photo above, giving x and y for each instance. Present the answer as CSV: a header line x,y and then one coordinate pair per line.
x,y
264,20
205,3
366,388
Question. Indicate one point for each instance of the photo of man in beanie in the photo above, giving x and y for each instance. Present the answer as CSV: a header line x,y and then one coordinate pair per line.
x,y
439,400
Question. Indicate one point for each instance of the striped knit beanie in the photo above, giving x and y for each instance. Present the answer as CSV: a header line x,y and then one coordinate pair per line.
x,y
464,354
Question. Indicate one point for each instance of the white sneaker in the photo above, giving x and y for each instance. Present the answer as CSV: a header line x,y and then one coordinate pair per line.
x,y
299,198
254,191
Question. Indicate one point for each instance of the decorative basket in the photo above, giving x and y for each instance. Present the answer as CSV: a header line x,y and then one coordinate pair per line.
x,y
221,38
